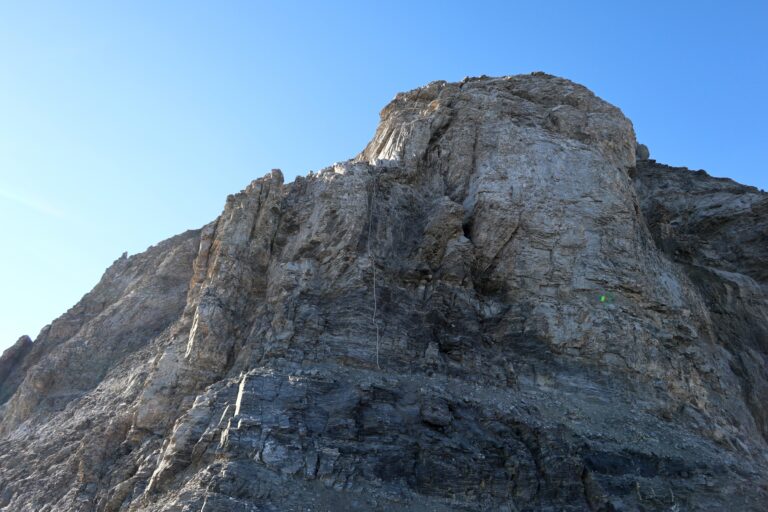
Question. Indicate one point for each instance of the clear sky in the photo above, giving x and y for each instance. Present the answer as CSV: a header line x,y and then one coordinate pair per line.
x,y
123,123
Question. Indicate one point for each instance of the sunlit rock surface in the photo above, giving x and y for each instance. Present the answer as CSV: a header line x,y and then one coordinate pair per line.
x,y
495,306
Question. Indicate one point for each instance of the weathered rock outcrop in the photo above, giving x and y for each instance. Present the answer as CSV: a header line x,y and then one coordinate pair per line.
x,y
135,300
717,232
495,306
11,367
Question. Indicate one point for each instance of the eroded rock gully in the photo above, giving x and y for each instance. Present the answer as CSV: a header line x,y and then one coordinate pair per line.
x,y
560,327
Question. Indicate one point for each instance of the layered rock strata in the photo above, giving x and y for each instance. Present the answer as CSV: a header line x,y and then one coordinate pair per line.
x,y
495,306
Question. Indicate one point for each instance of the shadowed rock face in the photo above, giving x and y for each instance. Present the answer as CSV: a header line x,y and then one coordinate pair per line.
x,y
494,306
717,232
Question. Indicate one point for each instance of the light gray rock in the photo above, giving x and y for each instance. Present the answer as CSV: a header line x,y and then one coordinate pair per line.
x,y
484,310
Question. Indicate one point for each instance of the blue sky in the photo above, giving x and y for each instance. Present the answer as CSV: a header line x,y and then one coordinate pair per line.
x,y
124,123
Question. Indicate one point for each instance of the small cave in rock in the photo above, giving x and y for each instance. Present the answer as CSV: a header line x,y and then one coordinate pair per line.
x,y
466,227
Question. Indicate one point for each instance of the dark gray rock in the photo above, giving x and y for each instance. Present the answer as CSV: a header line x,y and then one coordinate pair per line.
x,y
717,231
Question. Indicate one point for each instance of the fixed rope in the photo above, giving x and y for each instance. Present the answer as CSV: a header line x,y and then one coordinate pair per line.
x,y
372,258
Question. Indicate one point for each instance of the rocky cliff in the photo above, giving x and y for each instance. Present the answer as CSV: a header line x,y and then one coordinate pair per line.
x,y
495,306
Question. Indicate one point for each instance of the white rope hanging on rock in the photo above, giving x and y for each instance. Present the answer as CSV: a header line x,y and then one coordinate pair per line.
x,y
372,259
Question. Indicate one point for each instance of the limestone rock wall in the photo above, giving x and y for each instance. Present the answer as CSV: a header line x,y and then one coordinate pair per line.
x,y
494,306
135,300
717,232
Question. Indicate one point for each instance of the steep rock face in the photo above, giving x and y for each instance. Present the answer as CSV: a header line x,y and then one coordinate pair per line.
x,y
718,233
135,300
484,310
11,367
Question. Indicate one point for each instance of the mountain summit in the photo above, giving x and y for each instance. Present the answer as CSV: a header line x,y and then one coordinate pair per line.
x,y
499,304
